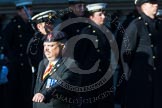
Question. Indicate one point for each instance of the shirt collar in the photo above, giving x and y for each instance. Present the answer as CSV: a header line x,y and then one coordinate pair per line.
x,y
55,61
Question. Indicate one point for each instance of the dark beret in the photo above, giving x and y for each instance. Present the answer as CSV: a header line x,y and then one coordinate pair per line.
x,y
56,36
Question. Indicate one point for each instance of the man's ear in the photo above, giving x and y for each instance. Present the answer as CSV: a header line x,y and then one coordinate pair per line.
x,y
62,45
38,26
91,17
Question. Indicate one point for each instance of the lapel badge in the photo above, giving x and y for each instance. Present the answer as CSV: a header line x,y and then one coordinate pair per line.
x,y
58,65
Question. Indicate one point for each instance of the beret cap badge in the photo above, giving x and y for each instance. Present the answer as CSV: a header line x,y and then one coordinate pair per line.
x,y
49,37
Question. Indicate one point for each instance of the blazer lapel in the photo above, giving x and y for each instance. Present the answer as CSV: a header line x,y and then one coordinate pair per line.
x,y
54,69
41,69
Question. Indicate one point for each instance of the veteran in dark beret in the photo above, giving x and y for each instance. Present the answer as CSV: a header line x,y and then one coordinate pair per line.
x,y
142,58
53,69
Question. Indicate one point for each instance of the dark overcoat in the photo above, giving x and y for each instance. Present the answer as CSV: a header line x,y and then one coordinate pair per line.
x,y
73,28
142,61
95,56
16,36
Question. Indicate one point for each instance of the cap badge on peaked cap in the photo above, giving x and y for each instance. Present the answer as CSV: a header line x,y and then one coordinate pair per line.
x,y
49,37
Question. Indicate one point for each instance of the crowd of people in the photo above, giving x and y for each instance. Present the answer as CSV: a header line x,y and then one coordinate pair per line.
x,y
75,60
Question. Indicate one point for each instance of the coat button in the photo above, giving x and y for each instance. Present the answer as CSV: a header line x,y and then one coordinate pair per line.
x,y
22,64
98,50
21,54
154,68
78,31
21,45
14,20
153,57
20,36
1,48
152,45
139,18
19,26
150,34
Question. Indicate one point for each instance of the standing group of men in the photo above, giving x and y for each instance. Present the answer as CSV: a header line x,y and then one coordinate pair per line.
x,y
72,64
72,58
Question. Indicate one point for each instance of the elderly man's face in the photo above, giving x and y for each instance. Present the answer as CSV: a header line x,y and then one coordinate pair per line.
x,y
52,50
78,9
150,8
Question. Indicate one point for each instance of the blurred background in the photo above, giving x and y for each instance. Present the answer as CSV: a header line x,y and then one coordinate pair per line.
x,y
120,8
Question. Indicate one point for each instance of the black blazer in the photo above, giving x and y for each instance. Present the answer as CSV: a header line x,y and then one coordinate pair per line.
x,y
57,95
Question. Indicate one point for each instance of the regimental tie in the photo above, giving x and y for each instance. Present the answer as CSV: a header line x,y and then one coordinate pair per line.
x,y
48,70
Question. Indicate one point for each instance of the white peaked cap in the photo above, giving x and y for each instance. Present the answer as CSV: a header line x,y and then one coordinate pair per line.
x,y
44,16
96,6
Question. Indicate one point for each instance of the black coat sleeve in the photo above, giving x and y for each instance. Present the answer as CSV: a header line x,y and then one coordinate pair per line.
x,y
128,48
